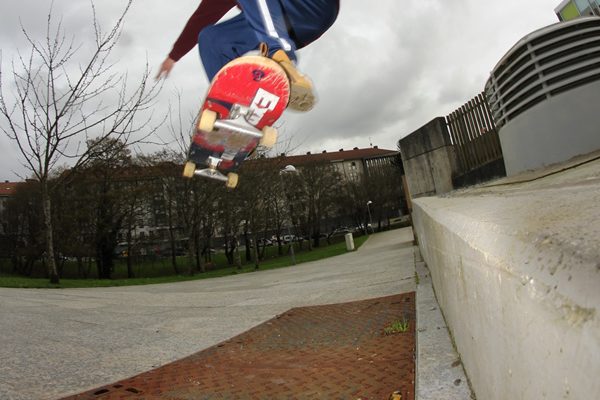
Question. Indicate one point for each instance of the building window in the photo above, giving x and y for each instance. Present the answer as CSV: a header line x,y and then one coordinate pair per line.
x,y
568,10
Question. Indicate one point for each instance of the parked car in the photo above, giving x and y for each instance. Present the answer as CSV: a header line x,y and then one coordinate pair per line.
x,y
341,231
289,238
264,242
361,228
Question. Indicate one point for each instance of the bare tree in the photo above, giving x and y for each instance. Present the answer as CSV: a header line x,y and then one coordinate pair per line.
x,y
167,188
63,94
181,128
319,183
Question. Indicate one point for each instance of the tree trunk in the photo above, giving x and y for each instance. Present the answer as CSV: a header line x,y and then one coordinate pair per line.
x,y
89,267
173,250
316,239
105,262
191,259
82,273
129,248
255,251
238,257
191,251
229,249
199,259
172,240
248,249
47,216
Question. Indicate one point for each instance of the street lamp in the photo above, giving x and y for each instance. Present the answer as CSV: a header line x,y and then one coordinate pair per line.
x,y
369,211
287,170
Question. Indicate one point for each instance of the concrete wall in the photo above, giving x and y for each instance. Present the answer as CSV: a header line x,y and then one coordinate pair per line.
x,y
516,271
555,130
428,159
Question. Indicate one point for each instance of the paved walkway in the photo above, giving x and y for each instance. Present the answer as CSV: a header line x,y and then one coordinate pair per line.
x,y
60,342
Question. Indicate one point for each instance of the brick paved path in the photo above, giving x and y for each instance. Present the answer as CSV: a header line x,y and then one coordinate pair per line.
x,y
337,351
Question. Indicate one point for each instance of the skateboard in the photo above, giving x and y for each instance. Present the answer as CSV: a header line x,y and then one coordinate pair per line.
x,y
244,100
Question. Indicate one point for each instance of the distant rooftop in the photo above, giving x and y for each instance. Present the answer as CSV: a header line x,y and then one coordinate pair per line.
x,y
8,188
340,155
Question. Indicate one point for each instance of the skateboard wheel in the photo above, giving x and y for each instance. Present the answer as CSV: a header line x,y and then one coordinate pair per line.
x,y
269,137
189,169
232,180
207,120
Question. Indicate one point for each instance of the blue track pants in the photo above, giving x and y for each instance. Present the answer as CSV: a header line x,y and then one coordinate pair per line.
x,y
281,24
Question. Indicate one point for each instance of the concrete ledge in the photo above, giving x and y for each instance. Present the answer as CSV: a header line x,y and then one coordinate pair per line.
x,y
516,270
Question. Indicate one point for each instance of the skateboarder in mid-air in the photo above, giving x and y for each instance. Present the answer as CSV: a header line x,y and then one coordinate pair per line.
x,y
282,25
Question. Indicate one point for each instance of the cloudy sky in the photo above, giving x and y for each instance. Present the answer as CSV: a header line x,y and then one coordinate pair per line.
x,y
383,70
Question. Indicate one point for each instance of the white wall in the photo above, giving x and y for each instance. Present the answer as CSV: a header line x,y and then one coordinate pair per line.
x,y
553,131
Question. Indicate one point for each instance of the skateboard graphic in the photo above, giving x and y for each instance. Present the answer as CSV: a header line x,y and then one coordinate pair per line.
x,y
244,100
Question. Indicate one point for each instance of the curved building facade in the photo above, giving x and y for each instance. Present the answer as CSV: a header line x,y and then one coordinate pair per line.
x,y
544,95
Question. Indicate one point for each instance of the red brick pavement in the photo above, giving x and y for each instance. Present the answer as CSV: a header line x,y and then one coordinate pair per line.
x,y
337,351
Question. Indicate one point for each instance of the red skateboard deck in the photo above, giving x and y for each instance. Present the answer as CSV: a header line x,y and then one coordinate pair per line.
x,y
244,100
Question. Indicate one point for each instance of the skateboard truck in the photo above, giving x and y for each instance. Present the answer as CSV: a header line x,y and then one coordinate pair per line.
x,y
211,171
236,130
238,122
231,179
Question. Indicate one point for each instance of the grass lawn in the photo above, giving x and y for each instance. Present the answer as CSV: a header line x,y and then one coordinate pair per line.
x,y
13,281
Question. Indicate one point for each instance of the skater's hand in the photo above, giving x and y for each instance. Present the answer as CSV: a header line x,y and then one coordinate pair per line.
x,y
165,68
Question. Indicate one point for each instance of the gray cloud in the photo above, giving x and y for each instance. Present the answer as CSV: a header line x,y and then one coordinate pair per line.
x,y
384,69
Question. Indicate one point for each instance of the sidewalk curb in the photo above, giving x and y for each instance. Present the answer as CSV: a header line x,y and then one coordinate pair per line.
x,y
440,374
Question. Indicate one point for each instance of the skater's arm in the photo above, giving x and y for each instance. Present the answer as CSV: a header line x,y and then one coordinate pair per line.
x,y
207,13
165,68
